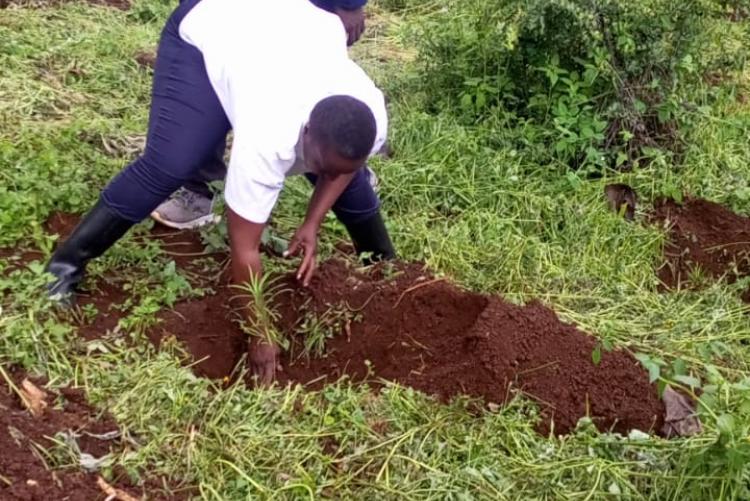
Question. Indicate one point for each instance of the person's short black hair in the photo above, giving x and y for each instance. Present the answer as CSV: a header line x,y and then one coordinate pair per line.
x,y
346,124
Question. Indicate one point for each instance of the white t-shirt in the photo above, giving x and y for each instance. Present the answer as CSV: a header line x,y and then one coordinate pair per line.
x,y
270,63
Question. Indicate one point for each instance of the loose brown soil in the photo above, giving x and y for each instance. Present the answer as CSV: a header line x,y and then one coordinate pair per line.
x,y
146,59
207,329
23,473
403,325
428,334
703,236
109,299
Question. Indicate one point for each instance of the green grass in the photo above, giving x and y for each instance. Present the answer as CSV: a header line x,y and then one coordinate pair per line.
x,y
475,203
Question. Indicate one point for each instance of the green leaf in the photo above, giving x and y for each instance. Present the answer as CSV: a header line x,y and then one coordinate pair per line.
x,y
481,100
654,371
596,355
678,367
725,423
574,180
622,157
691,381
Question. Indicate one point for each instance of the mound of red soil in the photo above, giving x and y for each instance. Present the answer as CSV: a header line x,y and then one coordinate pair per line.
x,y
703,235
23,473
405,326
207,329
428,334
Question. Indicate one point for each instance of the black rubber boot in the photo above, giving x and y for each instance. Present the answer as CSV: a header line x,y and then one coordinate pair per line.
x,y
371,237
96,233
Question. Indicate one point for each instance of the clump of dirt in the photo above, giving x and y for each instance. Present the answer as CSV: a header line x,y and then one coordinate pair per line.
x,y
146,59
405,325
23,473
703,236
621,199
61,224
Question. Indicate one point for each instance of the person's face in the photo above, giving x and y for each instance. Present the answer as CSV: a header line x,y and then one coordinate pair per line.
x,y
325,161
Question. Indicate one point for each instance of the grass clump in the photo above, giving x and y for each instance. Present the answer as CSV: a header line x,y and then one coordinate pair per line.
x,y
262,317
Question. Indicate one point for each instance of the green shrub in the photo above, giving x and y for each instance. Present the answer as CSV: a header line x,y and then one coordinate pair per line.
x,y
604,79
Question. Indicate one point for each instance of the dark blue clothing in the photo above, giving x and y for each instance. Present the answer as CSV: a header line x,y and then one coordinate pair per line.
x,y
186,133
331,5
358,202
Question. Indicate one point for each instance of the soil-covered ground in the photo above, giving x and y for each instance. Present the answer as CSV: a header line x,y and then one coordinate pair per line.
x,y
703,236
26,440
401,324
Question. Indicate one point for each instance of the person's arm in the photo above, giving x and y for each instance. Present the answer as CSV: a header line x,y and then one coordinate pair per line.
x,y
351,13
327,191
245,237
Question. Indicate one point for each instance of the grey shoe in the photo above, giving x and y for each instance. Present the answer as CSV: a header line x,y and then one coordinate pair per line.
x,y
186,210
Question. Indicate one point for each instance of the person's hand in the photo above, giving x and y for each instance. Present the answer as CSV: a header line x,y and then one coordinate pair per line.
x,y
263,356
354,23
305,239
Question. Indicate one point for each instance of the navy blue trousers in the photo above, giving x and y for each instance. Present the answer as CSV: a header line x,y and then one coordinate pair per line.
x,y
186,137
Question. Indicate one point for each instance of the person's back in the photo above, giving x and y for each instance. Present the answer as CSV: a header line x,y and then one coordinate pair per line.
x,y
263,51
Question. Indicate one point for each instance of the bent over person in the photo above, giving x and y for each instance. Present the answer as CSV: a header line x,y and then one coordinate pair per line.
x,y
191,206
277,74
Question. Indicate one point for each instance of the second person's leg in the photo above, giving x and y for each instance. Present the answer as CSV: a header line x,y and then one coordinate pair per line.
x,y
192,205
358,209
186,125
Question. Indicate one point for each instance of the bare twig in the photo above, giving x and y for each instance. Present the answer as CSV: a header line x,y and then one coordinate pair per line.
x,y
415,287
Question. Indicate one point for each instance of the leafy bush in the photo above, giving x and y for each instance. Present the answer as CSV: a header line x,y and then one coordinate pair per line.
x,y
605,79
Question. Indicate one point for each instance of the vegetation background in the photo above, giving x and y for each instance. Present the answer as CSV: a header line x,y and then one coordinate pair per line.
x,y
508,119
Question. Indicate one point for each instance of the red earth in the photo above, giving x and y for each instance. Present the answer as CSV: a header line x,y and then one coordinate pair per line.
x,y
401,324
406,326
23,473
703,236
